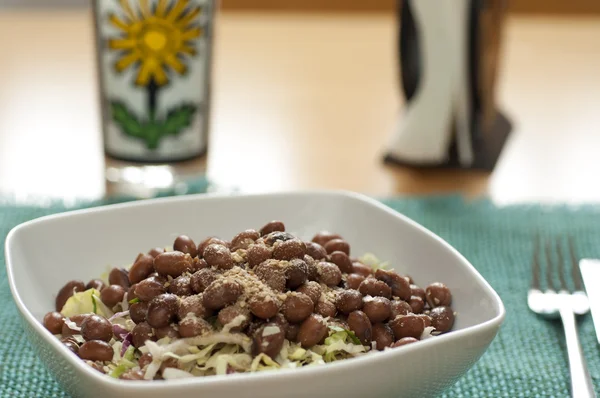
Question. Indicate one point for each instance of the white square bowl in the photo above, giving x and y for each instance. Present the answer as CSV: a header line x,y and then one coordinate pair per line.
x,y
41,255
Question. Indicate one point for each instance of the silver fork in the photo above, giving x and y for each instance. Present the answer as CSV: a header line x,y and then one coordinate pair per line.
x,y
553,303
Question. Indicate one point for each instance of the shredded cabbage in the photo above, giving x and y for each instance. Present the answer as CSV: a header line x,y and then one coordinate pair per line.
x,y
85,303
372,261
125,363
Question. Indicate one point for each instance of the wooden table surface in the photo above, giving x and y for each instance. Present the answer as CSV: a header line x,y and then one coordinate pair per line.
x,y
305,101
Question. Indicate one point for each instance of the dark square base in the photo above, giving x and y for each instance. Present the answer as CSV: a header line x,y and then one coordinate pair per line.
x,y
487,146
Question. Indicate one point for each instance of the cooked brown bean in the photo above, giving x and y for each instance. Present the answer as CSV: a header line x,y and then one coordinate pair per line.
x,y
97,284
426,319
66,292
77,320
131,293
264,307
202,279
329,274
291,332
156,251
71,344
311,289
442,318
167,331
335,245
244,239
138,311
312,331
162,310
218,256
277,236
374,287
272,272
312,269
192,326
382,336
53,321
348,301
132,374
96,327
378,309
235,313
297,307
145,360
362,269
360,324
407,326
268,340
296,273
280,320
140,333
417,304
173,263
353,281
192,304
149,288
400,308
169,362
315,250
438,295
342,260
272,226
143,266
96,350
417,291
289,249
198,264
209,241
257,253
119,276
185,244
325,308
323,237
400,286
112,295
221,293
181,286
404,341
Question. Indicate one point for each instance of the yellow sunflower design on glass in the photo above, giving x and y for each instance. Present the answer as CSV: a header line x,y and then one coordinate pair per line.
x,y
155,42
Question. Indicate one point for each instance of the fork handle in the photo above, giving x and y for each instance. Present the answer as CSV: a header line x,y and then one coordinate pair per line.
x,y
581,382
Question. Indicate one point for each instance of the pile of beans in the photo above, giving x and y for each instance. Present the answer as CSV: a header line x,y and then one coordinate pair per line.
x,y
267,284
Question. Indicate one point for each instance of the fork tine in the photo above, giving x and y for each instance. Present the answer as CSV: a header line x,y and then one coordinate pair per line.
x,y
561,265
574,266
549,268
535,266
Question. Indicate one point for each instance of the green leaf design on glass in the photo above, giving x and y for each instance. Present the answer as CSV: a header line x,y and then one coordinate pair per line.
x,y
178,119
151,131
125,119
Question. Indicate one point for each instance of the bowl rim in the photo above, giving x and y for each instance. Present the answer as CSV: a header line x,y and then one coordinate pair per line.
x,y
491,325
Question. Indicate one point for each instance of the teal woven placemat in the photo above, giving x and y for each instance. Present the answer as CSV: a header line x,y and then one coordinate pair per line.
x,y
527,359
